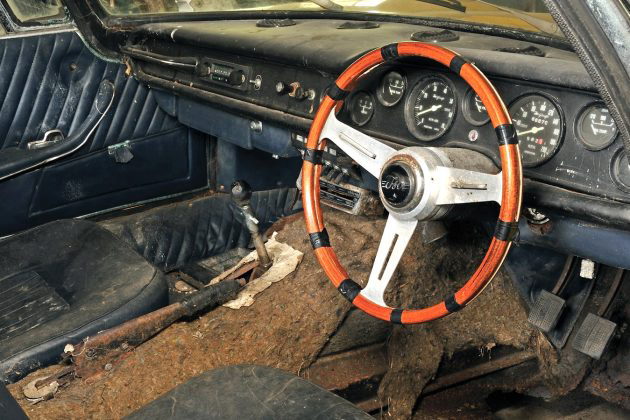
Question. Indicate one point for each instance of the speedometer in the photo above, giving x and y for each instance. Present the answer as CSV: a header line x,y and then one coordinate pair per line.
x,y
430,108
539,128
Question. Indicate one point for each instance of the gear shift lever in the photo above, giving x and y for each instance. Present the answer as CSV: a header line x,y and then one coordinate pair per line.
x,y
241,194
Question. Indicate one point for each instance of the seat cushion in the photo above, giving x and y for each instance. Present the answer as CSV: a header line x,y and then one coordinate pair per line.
x,y
248,392
64,281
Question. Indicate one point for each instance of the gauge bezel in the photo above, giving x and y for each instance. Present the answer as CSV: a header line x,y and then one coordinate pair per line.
x,y
379,95
351,100
578,122
466,110
562,125
410,103
617,156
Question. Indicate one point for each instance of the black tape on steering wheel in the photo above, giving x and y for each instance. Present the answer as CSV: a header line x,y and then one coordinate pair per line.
x,y
336,93
506,134
319,239
316,157
506,231
349,289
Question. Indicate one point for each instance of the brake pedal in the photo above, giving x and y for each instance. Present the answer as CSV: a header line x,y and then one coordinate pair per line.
x,y
594,335
546,311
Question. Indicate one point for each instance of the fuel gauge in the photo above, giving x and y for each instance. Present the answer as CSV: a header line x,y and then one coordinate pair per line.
x,y
596,128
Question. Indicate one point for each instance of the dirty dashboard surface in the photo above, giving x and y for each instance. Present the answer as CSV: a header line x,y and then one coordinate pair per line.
x,y
279,74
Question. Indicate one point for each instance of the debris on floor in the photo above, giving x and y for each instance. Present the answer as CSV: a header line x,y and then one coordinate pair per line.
x,y
286,327
285,261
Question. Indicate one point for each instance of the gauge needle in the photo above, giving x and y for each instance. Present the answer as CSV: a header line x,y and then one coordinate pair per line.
x,y
533,131
433,108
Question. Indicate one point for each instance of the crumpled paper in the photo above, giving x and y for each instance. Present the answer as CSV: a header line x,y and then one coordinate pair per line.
x,y
285,261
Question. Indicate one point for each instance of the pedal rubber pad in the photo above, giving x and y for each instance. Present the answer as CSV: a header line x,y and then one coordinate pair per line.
x,y
546,311
594,335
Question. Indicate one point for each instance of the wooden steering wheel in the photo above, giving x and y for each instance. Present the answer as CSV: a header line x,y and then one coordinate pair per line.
x,y
414,184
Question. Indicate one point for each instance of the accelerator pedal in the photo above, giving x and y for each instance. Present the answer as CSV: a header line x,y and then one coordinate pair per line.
x,y
546,311
594,335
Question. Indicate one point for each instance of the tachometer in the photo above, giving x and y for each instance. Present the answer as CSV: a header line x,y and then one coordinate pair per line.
x,y
430,108
596,128
539,128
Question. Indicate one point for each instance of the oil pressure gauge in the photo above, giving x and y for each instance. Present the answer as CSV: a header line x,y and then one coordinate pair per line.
x,y
595,127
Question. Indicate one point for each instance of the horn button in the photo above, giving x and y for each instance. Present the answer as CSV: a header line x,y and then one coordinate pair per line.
x,y
398,184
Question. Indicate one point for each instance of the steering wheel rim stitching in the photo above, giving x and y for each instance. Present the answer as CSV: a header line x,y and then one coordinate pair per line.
x,y
511,197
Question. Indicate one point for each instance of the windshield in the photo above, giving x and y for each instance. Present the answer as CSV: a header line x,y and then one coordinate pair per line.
x,y
529,15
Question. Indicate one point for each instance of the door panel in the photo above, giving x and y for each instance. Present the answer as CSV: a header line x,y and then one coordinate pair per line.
x,y
50,82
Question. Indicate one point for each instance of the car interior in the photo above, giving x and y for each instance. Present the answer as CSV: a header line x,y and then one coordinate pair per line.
x,y
320,209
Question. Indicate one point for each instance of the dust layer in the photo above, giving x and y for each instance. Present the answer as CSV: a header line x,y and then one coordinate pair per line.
x,y
285,328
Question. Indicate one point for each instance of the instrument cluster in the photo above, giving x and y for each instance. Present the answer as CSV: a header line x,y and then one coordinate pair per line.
x,y
432,104
567,137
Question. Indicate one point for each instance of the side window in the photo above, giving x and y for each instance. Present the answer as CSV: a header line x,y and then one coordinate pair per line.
x,y
35,12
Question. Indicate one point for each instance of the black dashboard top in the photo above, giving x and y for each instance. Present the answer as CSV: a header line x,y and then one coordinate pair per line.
x,y
320,44
250,70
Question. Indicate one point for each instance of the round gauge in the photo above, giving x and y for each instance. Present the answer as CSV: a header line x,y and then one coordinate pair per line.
x,y
430,109
391,89
621,171
596,128
474,110
539,128
361,108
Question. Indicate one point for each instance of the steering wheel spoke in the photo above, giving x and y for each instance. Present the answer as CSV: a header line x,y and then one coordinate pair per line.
x,y
461,186
394,241
368,152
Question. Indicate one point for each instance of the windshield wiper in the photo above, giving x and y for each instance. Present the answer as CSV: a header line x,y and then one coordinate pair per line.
x,y
328,5
449,4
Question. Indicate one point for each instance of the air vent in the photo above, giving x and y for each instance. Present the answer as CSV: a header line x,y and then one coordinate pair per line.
x,y
358,25
275,23
531,50
435,36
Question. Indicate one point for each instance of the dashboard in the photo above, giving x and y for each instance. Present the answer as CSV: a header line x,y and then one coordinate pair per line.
x,y
567,136
276,76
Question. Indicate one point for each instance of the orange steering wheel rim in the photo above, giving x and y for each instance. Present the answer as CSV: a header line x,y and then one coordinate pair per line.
x,y
512,183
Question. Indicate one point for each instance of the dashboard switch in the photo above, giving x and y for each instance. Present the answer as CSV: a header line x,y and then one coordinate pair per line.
x,y
282,88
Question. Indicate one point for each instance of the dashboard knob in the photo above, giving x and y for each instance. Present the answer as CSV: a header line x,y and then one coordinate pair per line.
x,y
282,88
236,77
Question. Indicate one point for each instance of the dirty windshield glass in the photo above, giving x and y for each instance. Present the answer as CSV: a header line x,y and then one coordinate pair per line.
x,y
528,15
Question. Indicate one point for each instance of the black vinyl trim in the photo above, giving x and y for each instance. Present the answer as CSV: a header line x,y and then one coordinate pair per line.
x,y
457,63
506,231
349,289
316,157
336,93
319,239
506,134
451,304
389,52
396,316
